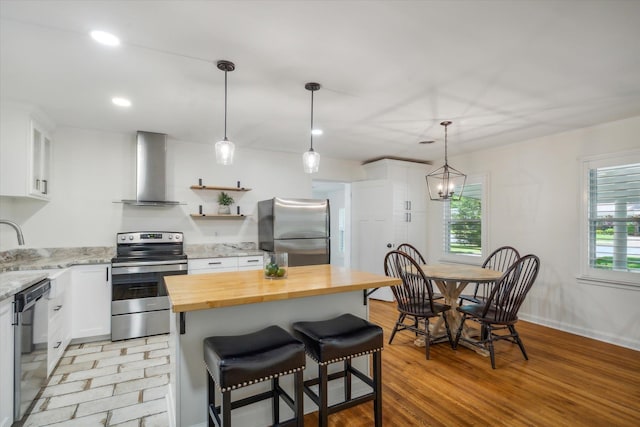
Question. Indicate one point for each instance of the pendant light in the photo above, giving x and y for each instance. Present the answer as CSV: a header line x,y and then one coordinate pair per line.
x,y
225,148
446,183
311,159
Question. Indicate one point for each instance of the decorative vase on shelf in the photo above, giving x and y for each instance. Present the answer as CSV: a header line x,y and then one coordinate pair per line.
x,y
224,210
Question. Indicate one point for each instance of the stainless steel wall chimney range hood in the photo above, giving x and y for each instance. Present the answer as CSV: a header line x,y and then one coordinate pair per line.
x,y
151,171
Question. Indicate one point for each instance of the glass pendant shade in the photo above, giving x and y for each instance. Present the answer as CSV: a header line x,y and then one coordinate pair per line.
x,y
224,152
446,183
311,161
225,148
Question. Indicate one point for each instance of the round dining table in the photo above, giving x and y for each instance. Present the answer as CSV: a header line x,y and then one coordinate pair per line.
x,y
451,279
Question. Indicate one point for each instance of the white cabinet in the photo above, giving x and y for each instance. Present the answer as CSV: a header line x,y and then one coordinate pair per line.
x,y
90,300
59,330
212,265
25,152
388,209
250,262
409,199
221,265
40,163
6,362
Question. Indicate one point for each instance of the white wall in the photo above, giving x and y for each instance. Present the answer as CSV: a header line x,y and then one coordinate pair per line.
x,y
534,205
92,169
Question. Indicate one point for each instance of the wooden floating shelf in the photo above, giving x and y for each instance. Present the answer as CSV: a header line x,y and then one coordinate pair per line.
x,y
219,216
210,187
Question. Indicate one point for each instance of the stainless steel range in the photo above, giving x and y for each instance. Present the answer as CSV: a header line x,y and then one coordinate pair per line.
x,y
139,302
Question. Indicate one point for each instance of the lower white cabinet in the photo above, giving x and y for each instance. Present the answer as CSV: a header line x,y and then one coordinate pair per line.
x,y
59,330
221,265
250,262
90,300
6,362
212,265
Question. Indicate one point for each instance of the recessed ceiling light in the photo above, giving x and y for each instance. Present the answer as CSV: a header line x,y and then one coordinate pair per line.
x,y
105,38
121,102
316,132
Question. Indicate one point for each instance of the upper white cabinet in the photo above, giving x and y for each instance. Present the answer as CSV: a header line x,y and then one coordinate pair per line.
x,y
90,300
40,161
25,152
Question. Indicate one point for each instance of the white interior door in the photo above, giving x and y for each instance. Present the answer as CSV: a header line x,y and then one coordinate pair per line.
x,y
372,228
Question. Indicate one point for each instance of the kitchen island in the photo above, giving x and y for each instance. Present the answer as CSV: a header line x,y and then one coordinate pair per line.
x,y
242,302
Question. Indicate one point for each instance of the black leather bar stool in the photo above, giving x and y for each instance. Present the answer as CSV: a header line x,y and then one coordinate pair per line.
x,y
237,361
336,340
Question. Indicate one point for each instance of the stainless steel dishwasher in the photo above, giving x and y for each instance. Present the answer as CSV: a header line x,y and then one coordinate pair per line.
x,y
30,350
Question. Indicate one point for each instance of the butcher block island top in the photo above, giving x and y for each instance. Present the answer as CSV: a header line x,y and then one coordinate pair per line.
x,y
193,292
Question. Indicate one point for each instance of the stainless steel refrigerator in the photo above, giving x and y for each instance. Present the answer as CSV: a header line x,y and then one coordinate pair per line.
x,y
299,227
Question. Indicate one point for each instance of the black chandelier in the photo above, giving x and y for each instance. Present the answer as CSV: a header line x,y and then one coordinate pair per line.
x,y
446,183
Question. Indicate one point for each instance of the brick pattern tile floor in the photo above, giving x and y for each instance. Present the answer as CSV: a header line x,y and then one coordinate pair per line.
x,y
122,383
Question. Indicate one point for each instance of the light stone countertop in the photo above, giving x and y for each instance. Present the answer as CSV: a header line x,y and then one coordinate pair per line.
x,y
21,268
13,282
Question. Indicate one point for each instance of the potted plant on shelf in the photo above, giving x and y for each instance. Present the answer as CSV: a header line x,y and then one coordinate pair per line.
x,y
224,200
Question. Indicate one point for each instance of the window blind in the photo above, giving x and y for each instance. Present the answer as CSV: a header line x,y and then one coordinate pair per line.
x,y
463,222
614,218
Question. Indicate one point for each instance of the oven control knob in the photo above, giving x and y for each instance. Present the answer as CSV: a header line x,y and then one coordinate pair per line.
x,y
178,236
123,237
130,236
170,236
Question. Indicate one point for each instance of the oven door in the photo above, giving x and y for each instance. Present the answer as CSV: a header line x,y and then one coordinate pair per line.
x,y
141,288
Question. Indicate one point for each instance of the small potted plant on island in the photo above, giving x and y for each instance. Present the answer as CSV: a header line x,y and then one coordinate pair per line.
x,y
224,200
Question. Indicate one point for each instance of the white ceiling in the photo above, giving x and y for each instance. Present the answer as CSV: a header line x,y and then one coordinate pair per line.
x,y
502,71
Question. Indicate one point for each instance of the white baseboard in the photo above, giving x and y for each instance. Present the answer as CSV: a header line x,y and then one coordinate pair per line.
x,y
600,336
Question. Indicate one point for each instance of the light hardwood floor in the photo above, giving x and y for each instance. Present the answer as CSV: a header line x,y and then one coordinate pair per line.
x,y
568,381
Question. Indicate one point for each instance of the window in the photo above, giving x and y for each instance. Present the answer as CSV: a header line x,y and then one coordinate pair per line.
x,y
614,218
464,231
612,250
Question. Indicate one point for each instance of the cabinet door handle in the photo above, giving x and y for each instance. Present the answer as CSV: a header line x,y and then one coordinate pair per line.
x,y
46,186
409,217
253,260
215,263
37,184
107,278
58,344
57,308
409,204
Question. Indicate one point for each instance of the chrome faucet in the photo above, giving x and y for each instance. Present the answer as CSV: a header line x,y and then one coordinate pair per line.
x,y
15,227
